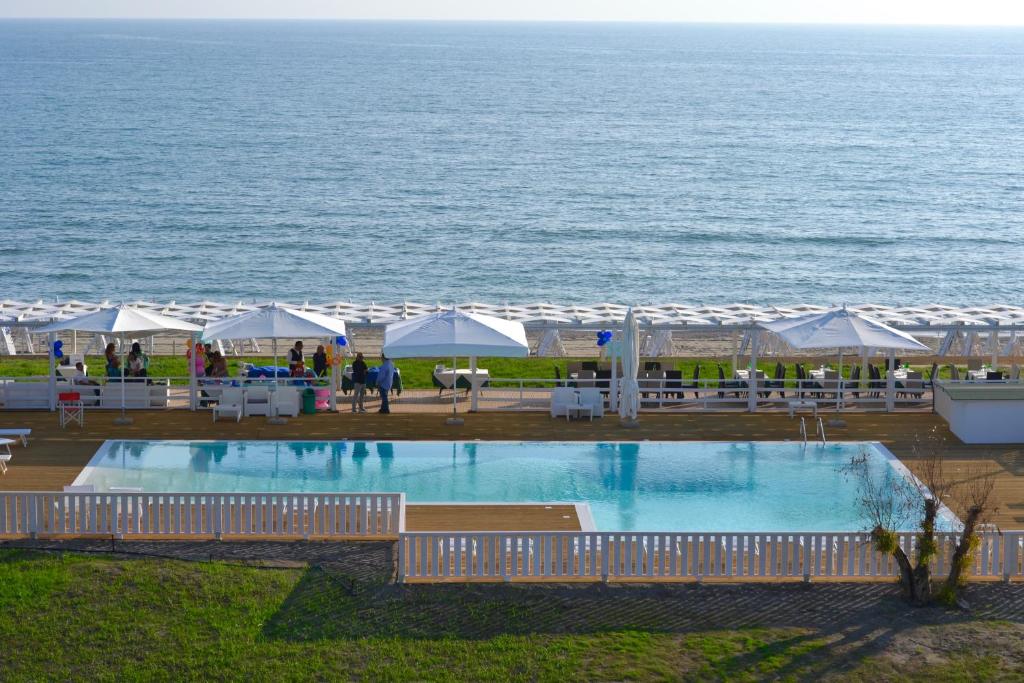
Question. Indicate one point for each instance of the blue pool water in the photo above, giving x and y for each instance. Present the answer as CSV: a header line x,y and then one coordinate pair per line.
x,y
648,486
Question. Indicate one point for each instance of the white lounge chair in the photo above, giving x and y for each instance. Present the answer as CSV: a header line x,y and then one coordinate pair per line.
x,y
593,399
22,434
563,402
231,404
5,454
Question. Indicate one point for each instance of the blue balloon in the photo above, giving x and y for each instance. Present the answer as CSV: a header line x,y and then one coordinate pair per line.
x,y
341,341
57,346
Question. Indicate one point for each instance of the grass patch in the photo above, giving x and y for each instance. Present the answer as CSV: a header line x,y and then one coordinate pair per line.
x,y
72,616
417,372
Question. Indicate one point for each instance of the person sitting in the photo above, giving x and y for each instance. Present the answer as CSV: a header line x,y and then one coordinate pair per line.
x,y
219,366
110,353
114,367
320,361
138,362
79,376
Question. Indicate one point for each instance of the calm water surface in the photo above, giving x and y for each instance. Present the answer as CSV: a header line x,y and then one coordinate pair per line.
x,y
630,163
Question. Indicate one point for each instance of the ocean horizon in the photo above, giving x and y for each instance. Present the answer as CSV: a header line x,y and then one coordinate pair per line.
x,y
440,161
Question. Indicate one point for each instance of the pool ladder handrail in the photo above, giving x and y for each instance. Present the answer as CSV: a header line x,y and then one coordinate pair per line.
x,y
803,430
820,427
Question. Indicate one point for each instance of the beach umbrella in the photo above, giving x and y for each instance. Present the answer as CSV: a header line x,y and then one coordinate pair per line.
x,y
123,320
454,333
629,404
277,322
840,328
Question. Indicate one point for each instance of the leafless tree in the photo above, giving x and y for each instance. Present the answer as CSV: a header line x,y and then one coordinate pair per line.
x,y
890,504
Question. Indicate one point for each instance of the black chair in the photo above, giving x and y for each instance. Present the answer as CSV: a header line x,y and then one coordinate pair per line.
x,y
604,380
589,365
875,381
695,384
674,383
778,383
652,366
728,384
994,376
853,384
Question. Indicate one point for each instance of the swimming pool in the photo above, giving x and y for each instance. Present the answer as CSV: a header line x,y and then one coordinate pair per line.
x,y
646,486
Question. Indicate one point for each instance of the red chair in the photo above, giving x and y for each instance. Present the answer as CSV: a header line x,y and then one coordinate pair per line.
x,y
71,408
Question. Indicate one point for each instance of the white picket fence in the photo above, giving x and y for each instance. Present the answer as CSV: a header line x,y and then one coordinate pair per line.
x,y
603,556
191,515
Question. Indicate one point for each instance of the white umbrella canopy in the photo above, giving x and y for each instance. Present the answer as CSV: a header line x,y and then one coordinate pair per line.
x,y
455,333
277,322
839,328
274,322
122,319
629,404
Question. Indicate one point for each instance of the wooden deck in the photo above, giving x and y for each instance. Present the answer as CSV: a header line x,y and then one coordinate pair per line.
x,y
55,457
491,518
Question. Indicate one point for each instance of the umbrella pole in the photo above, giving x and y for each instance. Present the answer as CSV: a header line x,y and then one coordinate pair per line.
x,y
124,419
52,379
839,383
455,391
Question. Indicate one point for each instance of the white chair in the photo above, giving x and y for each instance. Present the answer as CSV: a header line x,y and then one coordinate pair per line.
x,y
256,401
5,454
22,434
231,404
563,402
286,402
594,400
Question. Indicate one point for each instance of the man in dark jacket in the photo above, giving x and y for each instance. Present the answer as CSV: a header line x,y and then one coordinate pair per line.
x,y
358,383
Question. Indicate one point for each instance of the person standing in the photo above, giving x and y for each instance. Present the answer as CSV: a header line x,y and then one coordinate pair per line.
x,y
358,383
385,377
296,366
320,361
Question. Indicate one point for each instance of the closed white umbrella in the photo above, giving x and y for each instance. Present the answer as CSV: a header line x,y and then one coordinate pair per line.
x,y
839,328
277,322
123,320
449,334
629,404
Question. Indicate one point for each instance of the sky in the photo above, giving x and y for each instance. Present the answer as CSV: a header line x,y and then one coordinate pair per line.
x,y
955,12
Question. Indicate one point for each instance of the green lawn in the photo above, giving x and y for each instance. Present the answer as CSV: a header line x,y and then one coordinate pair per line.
x,y
416,373
86,617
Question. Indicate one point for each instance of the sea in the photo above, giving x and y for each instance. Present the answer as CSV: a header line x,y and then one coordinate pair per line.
x,y
510,162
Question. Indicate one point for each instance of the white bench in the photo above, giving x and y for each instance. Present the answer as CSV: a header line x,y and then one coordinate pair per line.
x,y
801,404
22,434
25,395
5,454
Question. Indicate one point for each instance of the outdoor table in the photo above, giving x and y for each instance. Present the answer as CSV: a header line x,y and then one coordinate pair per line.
x,y
480,379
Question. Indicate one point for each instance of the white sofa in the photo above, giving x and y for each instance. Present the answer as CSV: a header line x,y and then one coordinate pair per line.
x,y
137,395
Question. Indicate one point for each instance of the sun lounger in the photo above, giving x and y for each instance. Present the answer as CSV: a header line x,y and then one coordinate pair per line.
x,y
22,434
5,454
